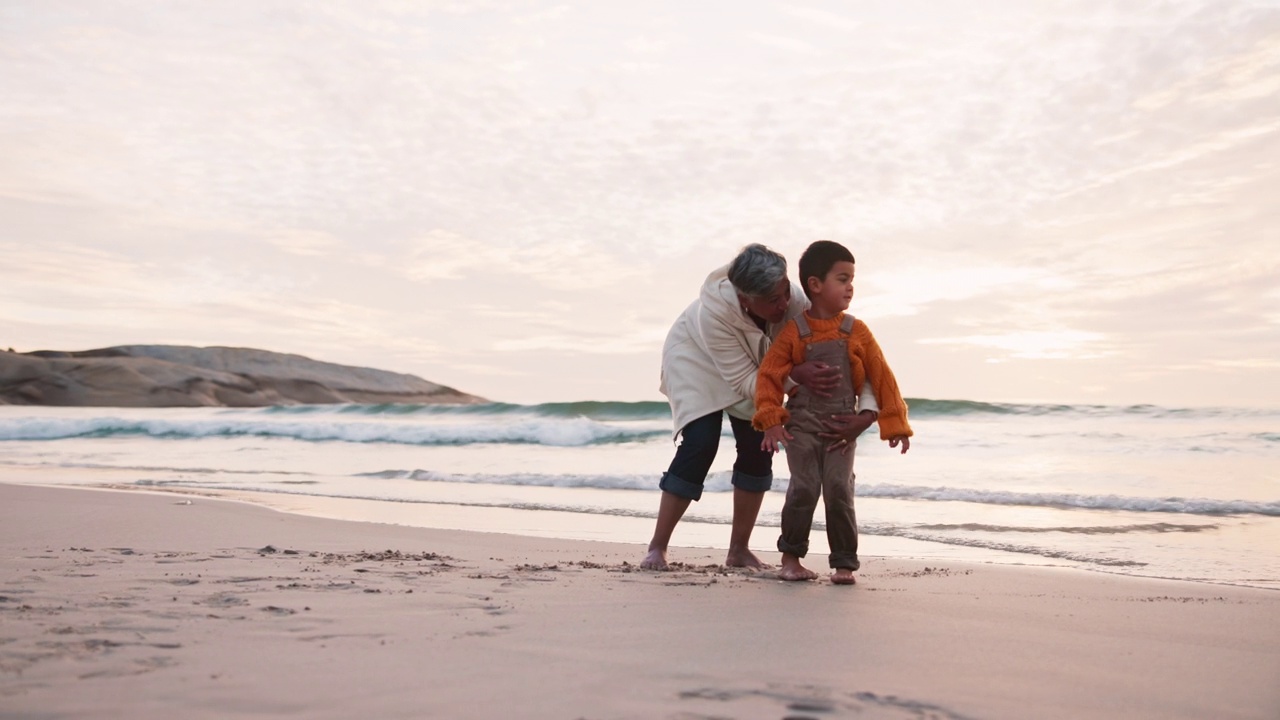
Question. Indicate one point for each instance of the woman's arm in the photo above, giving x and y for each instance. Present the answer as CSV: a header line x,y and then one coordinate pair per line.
x,y
728,348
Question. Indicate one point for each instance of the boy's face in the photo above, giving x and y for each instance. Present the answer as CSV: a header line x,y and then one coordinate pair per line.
x,y
835,291
771,308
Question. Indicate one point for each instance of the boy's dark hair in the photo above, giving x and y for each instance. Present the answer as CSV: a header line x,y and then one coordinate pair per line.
x,y
818,259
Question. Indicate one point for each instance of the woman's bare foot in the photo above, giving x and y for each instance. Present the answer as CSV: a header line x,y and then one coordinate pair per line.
x,y
655,560
844,576
792,570
744,558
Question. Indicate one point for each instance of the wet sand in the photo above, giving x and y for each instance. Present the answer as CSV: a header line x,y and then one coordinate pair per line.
x,y
142,605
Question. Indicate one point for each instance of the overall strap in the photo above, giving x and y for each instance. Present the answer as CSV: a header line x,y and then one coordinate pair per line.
x,y
803,326
846,326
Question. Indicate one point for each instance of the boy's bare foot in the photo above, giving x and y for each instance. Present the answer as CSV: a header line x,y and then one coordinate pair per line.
x,y
655,560
744,558
793,571
844,576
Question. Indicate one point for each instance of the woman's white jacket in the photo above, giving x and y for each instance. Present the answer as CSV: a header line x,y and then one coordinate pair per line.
x,y
714,350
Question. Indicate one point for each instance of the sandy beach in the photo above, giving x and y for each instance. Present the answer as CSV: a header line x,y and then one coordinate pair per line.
x,y
148,605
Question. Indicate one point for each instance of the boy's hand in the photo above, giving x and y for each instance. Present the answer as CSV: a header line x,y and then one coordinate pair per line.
x,y
774,438
819,377
906,443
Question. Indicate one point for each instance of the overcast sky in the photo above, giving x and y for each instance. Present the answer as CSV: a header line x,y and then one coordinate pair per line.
x,y
1048,201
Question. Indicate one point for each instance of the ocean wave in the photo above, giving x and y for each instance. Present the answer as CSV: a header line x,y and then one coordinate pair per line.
x,y
722,482
1072,529
923,407
590,409
971,542
556,432
1191,506
601,422
611,482
618,411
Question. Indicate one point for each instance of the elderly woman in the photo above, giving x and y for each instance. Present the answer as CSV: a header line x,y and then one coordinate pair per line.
x,y
709,365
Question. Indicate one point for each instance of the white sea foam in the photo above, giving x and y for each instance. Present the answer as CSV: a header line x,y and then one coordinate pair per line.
x,y
721,482
543,431
1194,506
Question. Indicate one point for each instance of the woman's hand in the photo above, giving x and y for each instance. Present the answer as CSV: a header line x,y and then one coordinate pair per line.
x,y
774,438
819,377
843,430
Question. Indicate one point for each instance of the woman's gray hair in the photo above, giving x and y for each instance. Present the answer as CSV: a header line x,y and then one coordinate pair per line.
x,y
757,270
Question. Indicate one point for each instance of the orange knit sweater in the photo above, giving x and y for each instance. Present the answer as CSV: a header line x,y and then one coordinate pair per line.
x,y
866,362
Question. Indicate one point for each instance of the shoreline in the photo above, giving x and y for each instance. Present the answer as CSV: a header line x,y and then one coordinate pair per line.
x,y
145,605
573,526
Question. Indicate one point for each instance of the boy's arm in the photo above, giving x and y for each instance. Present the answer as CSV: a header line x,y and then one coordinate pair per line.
x,y
770,381
893,409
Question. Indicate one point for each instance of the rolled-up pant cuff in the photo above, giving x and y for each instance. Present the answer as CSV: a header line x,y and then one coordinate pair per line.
x,y
790,549
752,483
680,487
844,561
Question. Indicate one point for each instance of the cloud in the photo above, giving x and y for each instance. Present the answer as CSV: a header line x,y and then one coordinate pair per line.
x,y
1046,345
910,288
438,182
786,44
823,19
1251,74
304,242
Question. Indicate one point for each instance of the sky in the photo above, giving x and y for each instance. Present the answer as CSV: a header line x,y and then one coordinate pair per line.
x,y
1064,202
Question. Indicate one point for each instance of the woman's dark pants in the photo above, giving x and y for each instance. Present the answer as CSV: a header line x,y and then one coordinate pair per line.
x,y
699,441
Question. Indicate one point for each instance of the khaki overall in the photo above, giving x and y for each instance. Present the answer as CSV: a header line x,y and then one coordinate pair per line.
x,y
815,472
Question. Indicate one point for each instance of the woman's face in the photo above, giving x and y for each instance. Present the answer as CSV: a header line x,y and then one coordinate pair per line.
x,y
771,308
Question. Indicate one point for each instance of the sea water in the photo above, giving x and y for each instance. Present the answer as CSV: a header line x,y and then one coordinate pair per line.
x,y
1186,493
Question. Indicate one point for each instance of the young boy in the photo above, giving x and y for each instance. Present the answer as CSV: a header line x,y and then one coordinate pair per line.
x,y
824,332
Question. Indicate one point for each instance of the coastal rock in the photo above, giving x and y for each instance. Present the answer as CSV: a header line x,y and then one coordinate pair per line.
x,y
181,376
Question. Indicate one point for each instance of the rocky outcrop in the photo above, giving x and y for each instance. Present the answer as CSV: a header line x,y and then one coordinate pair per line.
x,y
180,376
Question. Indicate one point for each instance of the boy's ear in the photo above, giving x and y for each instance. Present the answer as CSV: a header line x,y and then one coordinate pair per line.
x,y
814,283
